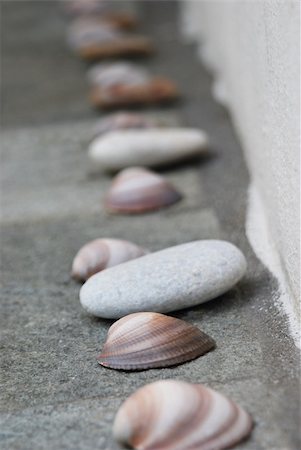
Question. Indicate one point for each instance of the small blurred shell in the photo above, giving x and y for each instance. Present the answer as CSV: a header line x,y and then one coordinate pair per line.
x,y
174,415
157,90
124,120
81,8
82,34
100,254
106,75
137,190
148,340
123,83
99,47
101,11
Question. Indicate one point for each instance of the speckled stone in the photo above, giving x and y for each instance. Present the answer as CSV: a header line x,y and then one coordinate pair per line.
x,y
175,278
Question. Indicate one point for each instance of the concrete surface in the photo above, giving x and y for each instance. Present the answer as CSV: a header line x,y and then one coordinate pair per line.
x,y
54,395
259,40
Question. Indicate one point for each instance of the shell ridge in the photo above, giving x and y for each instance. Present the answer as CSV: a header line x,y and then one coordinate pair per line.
x,y
154,340
121,331
120,328
119,341
164,347
211,434
175,438
133,365
240,421
175,326
149,423
179,341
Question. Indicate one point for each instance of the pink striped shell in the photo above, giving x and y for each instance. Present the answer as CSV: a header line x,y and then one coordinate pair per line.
x,y
137,190
100,254
174,415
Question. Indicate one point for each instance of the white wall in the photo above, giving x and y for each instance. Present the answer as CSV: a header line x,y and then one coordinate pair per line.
x,y
253,49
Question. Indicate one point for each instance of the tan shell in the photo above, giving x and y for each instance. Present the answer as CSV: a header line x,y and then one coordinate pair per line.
x,y
100,254
123,83
126,45
137,190
148,340
121,20
174,415
157,90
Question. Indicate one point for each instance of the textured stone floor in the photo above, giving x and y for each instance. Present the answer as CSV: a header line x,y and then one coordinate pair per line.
x,y
54,395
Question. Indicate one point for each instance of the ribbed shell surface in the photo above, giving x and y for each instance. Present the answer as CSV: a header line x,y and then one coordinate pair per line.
x,y
148,340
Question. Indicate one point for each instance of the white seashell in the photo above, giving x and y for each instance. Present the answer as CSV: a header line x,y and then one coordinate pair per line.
x,y
125,120
101,254
147,340
95,39
174,415
103,11
137,190
146,147
178,277
108,75
84,32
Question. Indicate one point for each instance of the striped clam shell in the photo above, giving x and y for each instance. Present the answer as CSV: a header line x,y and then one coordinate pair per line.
x,y
108,75
136,190
100,254
174,415
148,340
124,120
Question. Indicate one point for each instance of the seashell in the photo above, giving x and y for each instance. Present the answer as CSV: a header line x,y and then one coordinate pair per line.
x,y
148,340
102,10
137,190
121,20
157,90
93,39
174,415
86,32
178,277
125,120
108,75
146,147
124,83
100,254
85,7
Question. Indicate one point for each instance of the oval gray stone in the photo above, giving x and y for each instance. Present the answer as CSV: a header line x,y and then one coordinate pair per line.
x,y
175,278
153,147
